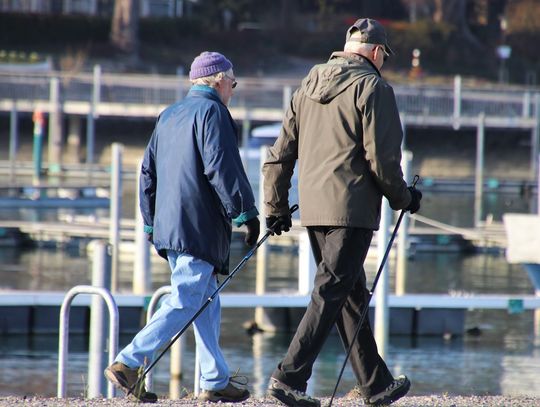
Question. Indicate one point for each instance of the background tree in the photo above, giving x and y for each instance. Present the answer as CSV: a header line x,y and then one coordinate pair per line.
x,y
124,28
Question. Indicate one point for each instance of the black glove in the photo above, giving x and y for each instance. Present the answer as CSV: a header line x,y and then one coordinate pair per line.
x,y
253,230
278,224
416,197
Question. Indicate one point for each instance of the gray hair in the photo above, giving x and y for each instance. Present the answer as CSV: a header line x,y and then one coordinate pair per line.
x,y
359,47
213,79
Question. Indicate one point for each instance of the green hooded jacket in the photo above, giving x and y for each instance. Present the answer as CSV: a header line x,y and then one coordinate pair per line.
x,y
344,129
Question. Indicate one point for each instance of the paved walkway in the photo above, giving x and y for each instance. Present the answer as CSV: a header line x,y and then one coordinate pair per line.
x,y
414,401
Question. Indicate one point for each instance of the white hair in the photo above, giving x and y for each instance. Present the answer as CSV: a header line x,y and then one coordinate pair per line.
x,y
213,79
359,47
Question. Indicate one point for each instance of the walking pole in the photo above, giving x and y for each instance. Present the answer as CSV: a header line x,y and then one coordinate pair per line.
x,y
269,232
366,308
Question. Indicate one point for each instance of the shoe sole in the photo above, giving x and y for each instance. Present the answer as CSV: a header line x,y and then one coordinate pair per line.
x,y
283,398
226,399
394,397
114,380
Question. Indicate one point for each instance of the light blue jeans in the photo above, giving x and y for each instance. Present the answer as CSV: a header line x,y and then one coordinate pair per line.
x,y
192,282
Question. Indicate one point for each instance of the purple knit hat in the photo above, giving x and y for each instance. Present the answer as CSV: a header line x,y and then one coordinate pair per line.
x,y
208,63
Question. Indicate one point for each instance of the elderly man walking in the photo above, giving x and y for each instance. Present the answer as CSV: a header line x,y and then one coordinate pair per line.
x,y
192,184
343,127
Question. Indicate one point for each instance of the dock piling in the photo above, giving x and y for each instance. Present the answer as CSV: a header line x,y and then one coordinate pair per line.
x,y
115,212
101,277
381,291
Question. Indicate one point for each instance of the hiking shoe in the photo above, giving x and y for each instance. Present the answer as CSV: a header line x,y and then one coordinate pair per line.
x,y
396,390
289,396
124,378
232,393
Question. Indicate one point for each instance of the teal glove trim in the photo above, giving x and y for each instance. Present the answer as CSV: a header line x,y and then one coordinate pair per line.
x,y
148,229
245,216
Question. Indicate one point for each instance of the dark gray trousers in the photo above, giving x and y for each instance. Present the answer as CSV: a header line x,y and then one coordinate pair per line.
x,y
339,296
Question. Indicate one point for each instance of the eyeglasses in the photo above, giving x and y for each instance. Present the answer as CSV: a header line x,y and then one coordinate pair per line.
x,y
234,83
386,54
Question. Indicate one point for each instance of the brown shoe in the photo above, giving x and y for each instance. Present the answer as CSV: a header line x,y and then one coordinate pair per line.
x,y
124,378
233,393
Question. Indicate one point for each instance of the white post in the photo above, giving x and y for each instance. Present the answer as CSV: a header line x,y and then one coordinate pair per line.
x,y
142,271
538,187
479,177
381,291
197,378
535,136
101,278
55,128
262,252
176,369
287,94
403,235
457,102
96,90
115,212
306,265
526,108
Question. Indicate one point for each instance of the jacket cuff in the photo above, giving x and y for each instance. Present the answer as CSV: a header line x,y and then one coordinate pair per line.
x,y
148,229
245,216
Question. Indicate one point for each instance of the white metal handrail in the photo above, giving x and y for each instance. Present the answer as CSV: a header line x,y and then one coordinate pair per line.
x,y
64,332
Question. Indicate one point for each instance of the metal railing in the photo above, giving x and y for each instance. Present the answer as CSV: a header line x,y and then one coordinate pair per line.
x,y
63,339
99,89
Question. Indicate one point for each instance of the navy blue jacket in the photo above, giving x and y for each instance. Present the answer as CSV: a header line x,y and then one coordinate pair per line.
x,y
192,180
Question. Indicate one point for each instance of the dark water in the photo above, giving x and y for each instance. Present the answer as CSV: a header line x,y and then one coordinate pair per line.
x,y
503,359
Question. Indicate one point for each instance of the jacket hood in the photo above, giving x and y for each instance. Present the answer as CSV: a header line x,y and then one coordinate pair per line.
x,y
326,81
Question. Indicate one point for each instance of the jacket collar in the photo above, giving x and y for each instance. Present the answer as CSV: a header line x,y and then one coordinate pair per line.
x,y
353,56
205,91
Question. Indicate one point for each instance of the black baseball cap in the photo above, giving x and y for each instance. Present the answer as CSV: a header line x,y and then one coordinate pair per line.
x,y
372,32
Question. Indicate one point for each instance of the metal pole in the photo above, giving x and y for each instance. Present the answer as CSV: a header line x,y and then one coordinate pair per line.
x,y
115,212
142,272
96,90
538,188
176,369
90,137
306,265
197,378
55,127
381,291
180,88
535,136
403,236
63,338
39,122
479,174
457,102
287,94
262,253
526,108
13,141
101,277
404,131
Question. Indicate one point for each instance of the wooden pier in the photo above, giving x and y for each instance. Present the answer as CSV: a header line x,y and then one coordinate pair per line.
x,y
37,312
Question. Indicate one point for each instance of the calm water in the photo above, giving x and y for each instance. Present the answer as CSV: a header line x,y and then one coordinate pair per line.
x,y
504,359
